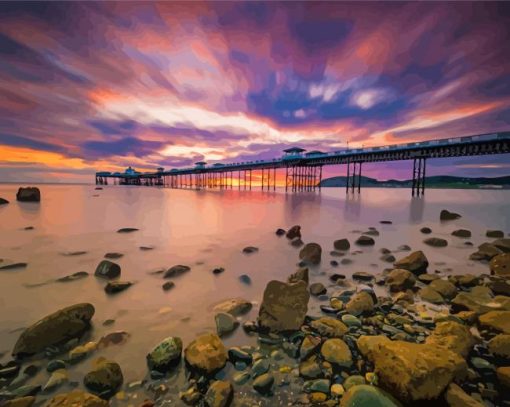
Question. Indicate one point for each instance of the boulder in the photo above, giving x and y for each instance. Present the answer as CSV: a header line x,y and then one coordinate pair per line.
x,y
400,280
495,234
465,280
500,346
502,244
175,271
456,397
447,215
342,245
503,374
430,295
76,398
105,378
365,241
29,194
360,303
500,265
367,344
336,352
414,372
225,323
481,304
3,201
416,263
444,287
206,354
311,253
54,329
309,344
496,320
284,306
365,395
461,233
234,306
300,274
318,289
114,287
436,242
294,232
27,401
107,269
219,394
165,355
452,336
329,327
486,251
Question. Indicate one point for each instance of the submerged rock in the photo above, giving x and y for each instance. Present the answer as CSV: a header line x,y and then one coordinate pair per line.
x,y
114,287
29,194
206,354
365,241
175,271
279,232
495,234
14,266
461,233
225,323
447,215
300,275
113,255
104,379
107,269
3,201
250,249
234,306
414,372
57,328
311,253
436,242
342,244
168,285
426,230
317,289
76,398
294,232
486,251
73,277
165,355
284,306
127,230
416,263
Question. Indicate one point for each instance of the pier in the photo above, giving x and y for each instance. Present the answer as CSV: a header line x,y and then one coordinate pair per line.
x,y
303,170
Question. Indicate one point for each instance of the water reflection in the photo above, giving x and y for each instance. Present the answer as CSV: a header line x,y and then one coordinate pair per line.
x,y
416,207
352,209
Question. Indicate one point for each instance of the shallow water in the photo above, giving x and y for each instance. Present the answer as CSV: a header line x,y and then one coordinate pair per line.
x,y
205,229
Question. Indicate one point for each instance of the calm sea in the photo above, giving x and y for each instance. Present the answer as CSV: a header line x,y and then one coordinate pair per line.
x,y
205,230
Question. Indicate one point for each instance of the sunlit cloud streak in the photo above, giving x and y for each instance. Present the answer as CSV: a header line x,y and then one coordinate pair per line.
x,y
88,86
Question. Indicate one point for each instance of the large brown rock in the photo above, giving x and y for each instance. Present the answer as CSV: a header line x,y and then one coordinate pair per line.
x,y
456,397
206,354
503,374
416,263
336,352
400,280
496,320
444,287
500,346
284,306
360,303
367,344
27,401
413,372
452,336
500,265
311,253
329,327
486,251
76,398
54,329
29,194
479,303
104,379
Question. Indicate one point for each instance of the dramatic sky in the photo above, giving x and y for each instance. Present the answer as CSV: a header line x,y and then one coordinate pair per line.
x,y
100,86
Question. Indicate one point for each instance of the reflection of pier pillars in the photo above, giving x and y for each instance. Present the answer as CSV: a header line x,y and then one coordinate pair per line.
x,y
303,177
418,186
353,182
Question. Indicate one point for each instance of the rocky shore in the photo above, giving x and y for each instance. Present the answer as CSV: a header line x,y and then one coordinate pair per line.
x,y
404,335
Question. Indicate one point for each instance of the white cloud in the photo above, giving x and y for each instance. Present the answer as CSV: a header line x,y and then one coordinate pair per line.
x,y
300,114
365,99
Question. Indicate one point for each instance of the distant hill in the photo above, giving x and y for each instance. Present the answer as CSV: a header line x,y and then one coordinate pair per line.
x,y
438,181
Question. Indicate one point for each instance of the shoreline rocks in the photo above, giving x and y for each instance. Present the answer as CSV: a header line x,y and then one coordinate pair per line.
x,y
206,354
28,194
107,270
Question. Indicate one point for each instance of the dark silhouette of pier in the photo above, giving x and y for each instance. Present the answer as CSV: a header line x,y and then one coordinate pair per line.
x,y
303,170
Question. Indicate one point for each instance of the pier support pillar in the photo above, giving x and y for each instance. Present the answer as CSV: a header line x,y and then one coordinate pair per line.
x,y
418,185
353,181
